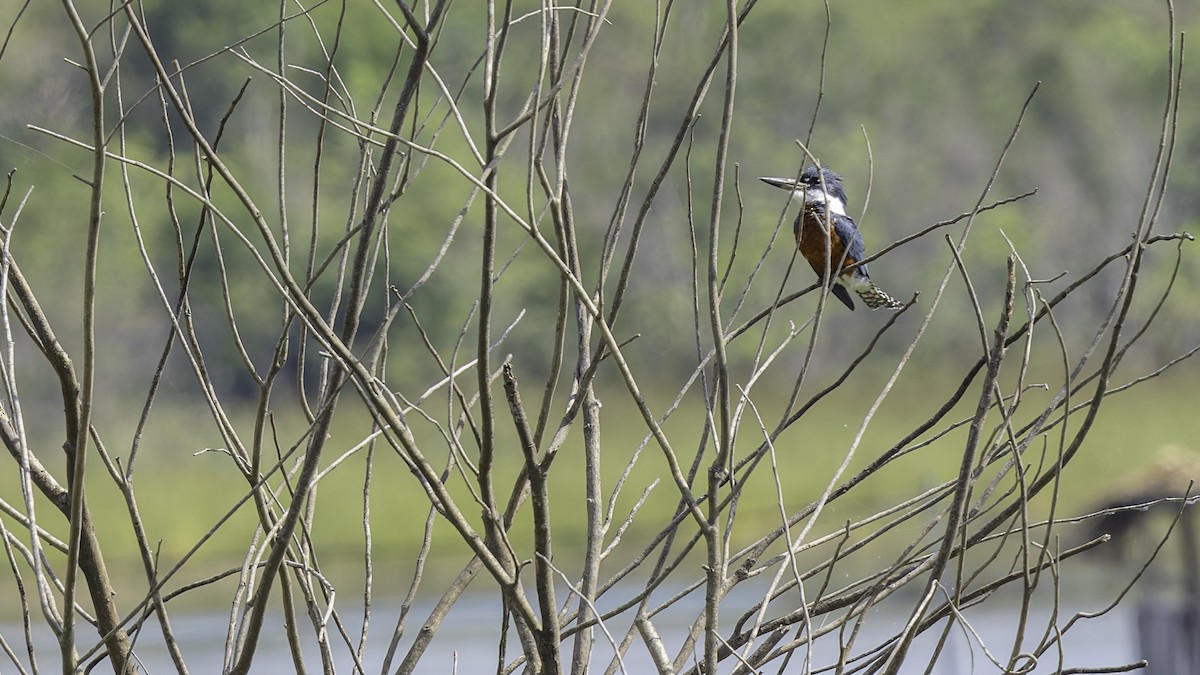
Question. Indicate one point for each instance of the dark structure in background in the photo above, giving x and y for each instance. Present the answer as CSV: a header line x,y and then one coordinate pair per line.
x,y
1168,613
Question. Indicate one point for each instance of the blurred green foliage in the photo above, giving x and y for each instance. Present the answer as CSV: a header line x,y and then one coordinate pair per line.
x,y
935,86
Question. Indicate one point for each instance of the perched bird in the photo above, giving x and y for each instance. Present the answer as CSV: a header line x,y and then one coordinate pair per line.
x,y
824,197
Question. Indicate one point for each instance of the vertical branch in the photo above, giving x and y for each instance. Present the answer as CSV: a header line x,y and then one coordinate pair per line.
x,y
81,408
548,635
495,50
281,142
717,473
498,138
560,115
83,551
494,532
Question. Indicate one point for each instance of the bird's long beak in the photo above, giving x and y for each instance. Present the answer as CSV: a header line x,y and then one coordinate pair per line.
x,y
782,183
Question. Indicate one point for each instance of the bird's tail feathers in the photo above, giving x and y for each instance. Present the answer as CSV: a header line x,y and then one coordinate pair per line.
x,y
875,298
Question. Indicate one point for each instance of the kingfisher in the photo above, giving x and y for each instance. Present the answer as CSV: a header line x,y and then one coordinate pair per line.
x,y
824,197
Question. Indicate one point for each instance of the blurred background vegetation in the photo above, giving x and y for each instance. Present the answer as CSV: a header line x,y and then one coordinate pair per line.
x,y
934,85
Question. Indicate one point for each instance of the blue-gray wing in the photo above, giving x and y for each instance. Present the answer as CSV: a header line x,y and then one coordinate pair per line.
x,y
852,240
